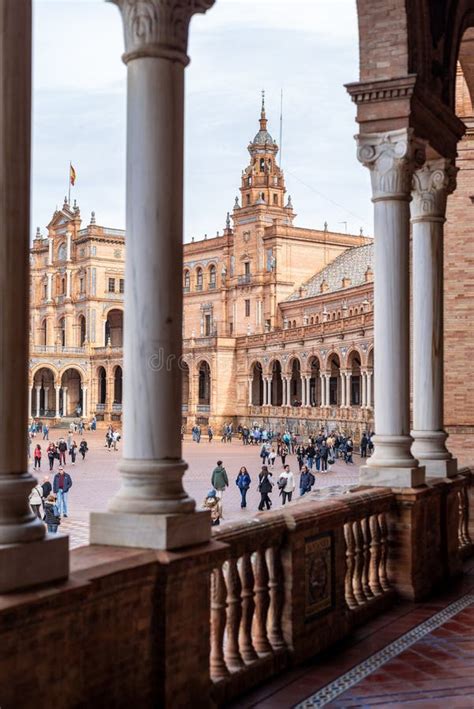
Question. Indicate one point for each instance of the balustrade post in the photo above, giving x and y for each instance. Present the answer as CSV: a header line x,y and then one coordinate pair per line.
x,y
358,563
262,602
248,608
350,566
375,554
234,615
218,667
276,590
366,557
383,552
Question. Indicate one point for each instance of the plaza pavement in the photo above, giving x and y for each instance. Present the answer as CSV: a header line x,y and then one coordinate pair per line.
x,y
96,479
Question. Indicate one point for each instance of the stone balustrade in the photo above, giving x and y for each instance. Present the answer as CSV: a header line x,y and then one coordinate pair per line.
x,y
464,535
291,578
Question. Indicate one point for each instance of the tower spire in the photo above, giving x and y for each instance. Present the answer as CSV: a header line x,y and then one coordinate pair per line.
x,y
263,117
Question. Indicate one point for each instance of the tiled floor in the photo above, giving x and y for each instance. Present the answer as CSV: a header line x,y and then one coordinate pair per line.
x,y
416,655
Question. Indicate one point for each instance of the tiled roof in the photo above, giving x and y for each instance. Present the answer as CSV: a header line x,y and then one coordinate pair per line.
x,y
352,264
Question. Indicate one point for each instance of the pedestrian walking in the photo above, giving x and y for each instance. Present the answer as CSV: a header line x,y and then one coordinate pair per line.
x,y
62,483
46,487
363,445
83,449
37,456
52,517
45,432
286,485
72,452
243,483
210,434
265,487
307,480
219,479
62,448
52,454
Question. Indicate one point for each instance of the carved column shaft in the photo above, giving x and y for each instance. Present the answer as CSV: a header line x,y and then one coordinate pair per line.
x,y
431,186
152,491
391,159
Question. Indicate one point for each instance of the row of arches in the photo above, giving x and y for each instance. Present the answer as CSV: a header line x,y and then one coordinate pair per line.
x,y
113,330
102,386
337,387
204,383
326,317
200,278
54,395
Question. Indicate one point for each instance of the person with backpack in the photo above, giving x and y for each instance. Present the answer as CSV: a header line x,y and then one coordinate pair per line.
x,y
286,485
265,487
243,483
52,517
36,500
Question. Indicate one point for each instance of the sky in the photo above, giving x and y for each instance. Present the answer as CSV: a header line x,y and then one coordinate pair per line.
x,y
306,48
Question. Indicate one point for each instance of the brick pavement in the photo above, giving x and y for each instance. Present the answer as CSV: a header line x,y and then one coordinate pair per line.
x,y
96,479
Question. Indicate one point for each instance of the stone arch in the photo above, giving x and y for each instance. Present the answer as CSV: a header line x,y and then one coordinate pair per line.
x,y
114,327
314,370
256,370
296,388
333,366
186,279
199,277
185,379
118,384
71,391
354,369
101,386
204,383
43,394
276,384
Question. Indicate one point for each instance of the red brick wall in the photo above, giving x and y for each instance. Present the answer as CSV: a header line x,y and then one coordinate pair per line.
x,y
382,39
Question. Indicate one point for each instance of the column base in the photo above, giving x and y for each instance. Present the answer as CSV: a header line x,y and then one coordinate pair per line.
x,y
382,476
153,531
34,563
430,449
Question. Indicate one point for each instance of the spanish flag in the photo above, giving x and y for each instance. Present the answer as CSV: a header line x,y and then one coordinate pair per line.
x,y
72,174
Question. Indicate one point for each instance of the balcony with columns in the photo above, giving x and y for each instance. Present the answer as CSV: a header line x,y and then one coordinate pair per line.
x,y
156,611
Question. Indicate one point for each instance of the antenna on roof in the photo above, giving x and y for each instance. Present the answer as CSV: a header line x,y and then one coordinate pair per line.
x,y
281,126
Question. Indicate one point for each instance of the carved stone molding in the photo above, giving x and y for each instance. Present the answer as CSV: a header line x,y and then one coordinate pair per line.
x,y
158,28
392,159
431,186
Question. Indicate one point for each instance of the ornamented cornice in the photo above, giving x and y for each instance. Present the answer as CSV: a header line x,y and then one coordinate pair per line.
x,y
431,185
158,28
391,158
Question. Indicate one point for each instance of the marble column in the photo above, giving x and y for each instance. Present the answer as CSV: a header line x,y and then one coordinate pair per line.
x,y
49,288
68,246
328,396
431,186
284,392
38,395
363,381
152,509
68,283
369,389
323,390
343,390
348,389
58,389
46,398
304,391
391,158
65,402
85,403
30,402
24,545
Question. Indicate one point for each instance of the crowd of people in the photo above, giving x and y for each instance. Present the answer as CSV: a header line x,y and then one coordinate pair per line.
x,y
318,453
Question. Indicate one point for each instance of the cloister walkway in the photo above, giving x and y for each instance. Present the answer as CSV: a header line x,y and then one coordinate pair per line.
x,y
415,655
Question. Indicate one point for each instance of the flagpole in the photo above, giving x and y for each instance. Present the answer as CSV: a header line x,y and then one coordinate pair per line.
x,y
69,181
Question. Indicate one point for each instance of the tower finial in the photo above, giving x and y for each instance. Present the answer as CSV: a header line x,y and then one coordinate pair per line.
x,y
263,118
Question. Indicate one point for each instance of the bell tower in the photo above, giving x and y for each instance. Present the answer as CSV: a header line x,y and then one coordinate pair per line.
x,y
263,182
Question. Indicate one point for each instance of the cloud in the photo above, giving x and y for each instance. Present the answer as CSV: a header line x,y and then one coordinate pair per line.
x,y
308,49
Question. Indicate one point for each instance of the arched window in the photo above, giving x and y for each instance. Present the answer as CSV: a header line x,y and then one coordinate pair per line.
x,y
82,330
44,332
118,385
204,390
63,286
248,200
102,385
262,164
186,280
199,278
62,332
212,276
262,195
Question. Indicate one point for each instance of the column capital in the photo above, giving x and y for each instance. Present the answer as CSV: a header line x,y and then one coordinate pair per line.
x,y
391,158
158,28
431,185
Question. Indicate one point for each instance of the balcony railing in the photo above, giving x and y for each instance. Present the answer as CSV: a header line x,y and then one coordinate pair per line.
x,y
203,408
244,280
100,407
117,408
198,286
288,579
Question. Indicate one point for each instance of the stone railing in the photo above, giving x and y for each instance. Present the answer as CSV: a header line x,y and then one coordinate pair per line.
x,y
295,581
464,536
